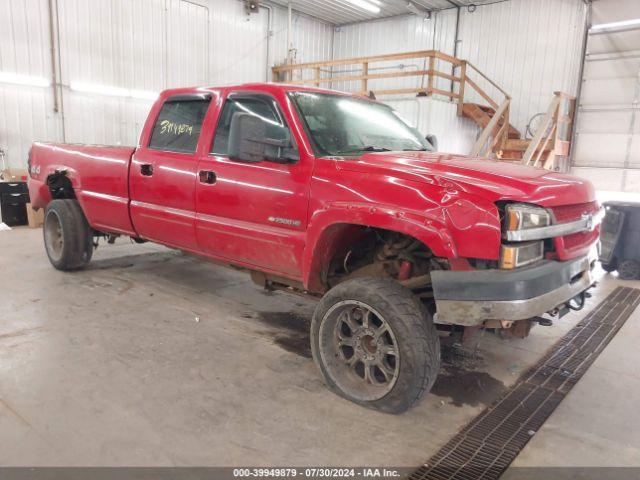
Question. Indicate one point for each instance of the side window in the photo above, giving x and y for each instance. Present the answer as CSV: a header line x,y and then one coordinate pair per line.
x,y
178,126
257,106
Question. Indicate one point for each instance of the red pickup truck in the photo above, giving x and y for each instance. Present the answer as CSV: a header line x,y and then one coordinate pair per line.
x,y
335,196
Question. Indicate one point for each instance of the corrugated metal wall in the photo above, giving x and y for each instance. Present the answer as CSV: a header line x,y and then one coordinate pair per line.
x,y
25,112
529,48
432,115
402,34
394,35
131,48
312,40
110,44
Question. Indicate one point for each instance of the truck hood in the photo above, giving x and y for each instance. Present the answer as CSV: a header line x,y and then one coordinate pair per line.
x,y
496,179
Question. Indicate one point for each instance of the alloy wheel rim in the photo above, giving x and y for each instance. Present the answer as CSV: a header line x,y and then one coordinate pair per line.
x,y
54,239
360,350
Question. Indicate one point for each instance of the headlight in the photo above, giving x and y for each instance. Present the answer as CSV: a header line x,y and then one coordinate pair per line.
x,y
520,254
524,217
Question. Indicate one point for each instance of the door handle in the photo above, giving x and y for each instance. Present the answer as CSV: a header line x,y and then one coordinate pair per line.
x,y
146,169
207,176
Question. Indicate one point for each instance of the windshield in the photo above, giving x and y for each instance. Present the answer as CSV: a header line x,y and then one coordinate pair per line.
x,y
341,125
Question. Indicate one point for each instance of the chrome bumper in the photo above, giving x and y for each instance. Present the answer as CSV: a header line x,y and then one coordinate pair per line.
x,y
470,298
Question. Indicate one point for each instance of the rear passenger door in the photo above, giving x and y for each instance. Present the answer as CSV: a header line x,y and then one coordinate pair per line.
x,y
252,213
162,175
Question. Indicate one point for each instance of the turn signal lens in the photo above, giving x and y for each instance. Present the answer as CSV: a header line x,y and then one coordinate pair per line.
x,y
513,256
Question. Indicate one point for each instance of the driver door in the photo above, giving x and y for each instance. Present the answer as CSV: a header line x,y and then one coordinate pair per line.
x,y
252,213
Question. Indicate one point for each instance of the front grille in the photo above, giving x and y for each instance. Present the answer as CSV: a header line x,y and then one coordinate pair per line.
x,y
576,244
579,239
568,213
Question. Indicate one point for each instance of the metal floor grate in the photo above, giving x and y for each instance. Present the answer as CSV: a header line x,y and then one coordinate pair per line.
x,y
487,446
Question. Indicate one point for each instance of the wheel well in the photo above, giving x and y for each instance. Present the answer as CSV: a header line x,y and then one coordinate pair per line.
x,y
351,251
60,186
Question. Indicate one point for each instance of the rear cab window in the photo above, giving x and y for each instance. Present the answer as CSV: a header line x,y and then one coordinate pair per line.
x,y
179,123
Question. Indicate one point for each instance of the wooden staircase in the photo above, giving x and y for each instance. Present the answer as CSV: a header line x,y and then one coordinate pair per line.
x,y
549,148
499,139
514,146
482,115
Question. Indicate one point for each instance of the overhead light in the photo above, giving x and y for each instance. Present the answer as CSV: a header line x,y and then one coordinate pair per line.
x,y
367,5
24,80
622,25
112,91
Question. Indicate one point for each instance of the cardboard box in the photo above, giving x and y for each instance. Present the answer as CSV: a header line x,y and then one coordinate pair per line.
x,y
14,175
35,219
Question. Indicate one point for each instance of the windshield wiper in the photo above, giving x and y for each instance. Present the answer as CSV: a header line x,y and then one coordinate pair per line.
x,y
366,148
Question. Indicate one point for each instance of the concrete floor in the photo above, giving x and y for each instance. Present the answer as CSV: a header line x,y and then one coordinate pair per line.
x,y
598,423
151,357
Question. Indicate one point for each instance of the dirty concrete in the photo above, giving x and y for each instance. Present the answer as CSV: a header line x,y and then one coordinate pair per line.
x,y
598,422
152,357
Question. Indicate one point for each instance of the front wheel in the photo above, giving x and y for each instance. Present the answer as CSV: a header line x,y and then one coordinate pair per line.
x,y
375,344
67,235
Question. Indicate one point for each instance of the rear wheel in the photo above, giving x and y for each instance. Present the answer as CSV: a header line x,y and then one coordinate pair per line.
x,y
375,344
67,235
629,270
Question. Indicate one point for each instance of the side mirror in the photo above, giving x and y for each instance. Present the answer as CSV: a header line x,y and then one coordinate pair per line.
x,y
433,141
252,139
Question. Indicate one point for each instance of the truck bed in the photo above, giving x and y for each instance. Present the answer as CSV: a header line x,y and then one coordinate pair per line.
x,y
99,175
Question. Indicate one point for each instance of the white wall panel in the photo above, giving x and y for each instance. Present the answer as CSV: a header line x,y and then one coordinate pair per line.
x,y
26,113
187,46
440,118
395,35
112,43
606,11
312,40
529,48
143,45
239,44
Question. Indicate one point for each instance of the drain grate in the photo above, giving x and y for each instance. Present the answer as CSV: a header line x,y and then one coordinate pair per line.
x,y
487,446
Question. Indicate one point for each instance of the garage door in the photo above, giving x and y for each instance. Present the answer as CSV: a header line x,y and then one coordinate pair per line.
x,y
607,149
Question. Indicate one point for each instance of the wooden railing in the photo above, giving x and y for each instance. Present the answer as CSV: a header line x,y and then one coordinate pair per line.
x,y
364,64
494,136
362,71
465,82
553,136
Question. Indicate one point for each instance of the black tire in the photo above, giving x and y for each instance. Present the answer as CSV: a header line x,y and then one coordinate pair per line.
x,y
68,239
629,270
413,336
609,267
